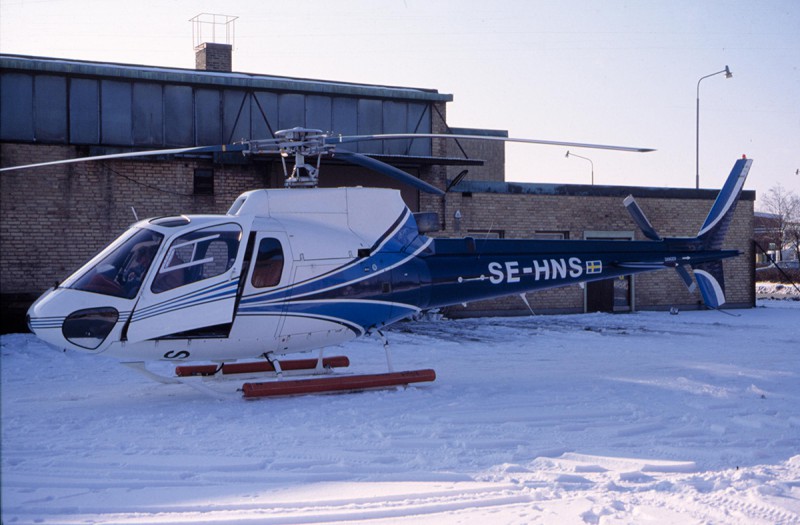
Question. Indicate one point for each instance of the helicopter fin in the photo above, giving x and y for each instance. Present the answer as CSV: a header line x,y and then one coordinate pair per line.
x,y
711,281
640,219
710,276
719,218
686,277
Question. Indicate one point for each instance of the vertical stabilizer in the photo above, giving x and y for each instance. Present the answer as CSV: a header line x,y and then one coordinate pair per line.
x,y
719,218
710,276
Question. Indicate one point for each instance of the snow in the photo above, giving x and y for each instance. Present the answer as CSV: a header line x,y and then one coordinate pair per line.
x,y
582,419
767,290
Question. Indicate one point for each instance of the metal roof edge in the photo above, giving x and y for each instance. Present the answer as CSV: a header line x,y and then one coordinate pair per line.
x,y
215,78
586,190
480,132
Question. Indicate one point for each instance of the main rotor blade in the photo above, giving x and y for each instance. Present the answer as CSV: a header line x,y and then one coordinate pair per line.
x,y
393,136
131,154
386,169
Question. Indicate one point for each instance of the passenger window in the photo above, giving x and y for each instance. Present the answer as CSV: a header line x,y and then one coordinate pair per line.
x,y
269,264
198,255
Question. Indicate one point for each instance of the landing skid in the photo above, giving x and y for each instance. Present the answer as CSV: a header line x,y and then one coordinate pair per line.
x,y
353,383
202,377
304,365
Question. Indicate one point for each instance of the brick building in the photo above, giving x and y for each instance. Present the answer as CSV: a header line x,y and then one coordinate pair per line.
x,y
52,219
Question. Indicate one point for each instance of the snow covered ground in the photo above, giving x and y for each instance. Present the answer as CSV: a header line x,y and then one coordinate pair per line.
x,y
585,419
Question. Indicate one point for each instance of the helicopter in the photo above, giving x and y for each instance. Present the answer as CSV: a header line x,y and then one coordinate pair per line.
x,y
288,271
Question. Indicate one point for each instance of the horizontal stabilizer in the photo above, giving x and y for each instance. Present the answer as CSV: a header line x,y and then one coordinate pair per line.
x,y
640,218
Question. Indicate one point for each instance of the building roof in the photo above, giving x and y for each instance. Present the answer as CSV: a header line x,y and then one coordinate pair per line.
x,y
219,79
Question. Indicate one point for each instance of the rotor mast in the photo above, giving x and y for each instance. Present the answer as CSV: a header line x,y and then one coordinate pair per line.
x,y
300,143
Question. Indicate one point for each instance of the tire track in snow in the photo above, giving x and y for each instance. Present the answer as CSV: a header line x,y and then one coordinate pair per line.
x,y
416,502
624,489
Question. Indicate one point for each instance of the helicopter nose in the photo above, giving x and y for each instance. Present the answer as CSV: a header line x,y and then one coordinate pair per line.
x,y
54,319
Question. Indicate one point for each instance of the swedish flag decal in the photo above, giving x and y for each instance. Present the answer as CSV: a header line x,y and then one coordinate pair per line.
x,y
594,267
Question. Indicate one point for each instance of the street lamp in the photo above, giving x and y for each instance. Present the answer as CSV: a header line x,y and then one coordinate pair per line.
x,y
568,155
728,74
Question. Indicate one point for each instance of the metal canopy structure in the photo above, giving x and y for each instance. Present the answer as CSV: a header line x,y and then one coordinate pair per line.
x,y
55,101
214,28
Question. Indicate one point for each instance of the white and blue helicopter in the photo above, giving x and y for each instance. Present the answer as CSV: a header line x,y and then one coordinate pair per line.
x,y
286,271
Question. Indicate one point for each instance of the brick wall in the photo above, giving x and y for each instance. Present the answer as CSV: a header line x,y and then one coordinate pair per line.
x,y
493,153
214,57
53,219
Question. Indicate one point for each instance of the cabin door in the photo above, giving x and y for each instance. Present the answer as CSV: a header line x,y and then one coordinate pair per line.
x,y
192,293
262,308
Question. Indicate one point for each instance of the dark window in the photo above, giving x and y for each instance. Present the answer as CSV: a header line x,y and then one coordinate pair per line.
x,y
551,235
488,234
269,264
203,181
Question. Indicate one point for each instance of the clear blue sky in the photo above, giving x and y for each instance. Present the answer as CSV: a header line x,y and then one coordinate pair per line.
x,y
617,71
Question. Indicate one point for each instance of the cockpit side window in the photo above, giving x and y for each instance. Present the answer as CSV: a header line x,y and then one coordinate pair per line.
x,y
198,255
269,264
121,270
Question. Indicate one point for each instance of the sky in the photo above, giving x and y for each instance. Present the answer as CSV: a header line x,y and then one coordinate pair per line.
x,y
618,72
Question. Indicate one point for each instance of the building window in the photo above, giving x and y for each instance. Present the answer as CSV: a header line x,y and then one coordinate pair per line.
x,y
551,235
487,234
203,181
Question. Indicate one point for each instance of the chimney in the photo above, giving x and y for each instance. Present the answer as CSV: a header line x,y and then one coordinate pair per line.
x,y
209,56
213,42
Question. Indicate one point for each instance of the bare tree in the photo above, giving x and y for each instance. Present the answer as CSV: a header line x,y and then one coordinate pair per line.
x,y
784,205
793,235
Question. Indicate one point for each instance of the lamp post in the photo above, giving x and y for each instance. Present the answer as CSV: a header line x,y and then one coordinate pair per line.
x,y
728,74
568,155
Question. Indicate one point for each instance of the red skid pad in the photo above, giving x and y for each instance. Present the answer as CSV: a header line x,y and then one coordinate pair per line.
x,y
336,384
261,366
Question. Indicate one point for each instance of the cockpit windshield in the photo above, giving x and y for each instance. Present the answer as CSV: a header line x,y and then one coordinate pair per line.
x,y
119,269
